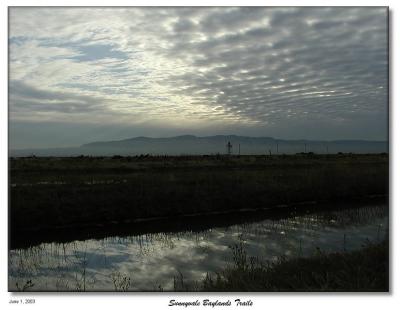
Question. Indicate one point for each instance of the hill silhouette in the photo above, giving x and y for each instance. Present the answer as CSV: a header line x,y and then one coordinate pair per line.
x,y
193,145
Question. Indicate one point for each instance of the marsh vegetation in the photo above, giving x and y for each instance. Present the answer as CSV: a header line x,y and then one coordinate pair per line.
x,y
57,196
195,260
235,223
363,270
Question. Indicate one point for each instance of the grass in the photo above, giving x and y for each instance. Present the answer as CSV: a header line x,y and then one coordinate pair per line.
x,y
365,270
69,193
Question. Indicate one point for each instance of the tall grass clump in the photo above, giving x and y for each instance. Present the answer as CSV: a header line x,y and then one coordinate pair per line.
x,y
364,270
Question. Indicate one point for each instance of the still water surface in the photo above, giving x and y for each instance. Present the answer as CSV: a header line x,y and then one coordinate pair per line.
x,y
151,261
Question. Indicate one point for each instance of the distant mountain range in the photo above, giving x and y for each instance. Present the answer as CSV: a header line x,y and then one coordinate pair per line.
x,y
188,145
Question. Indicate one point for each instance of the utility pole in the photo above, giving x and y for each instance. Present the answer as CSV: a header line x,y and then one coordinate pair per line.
x,y
305,147
239,149
277,147
229,148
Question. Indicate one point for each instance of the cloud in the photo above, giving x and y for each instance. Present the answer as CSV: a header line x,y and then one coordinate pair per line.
x,y
25,97
323,69
234,66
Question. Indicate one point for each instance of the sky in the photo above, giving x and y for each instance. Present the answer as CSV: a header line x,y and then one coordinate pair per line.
x,y
78,75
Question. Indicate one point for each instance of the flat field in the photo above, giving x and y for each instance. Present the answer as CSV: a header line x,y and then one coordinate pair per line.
x,y
72,193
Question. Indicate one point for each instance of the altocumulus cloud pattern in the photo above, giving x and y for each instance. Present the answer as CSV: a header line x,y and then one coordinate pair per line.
x,y
274,70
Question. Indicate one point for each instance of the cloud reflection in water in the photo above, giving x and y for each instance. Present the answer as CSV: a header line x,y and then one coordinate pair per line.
x,y
151,261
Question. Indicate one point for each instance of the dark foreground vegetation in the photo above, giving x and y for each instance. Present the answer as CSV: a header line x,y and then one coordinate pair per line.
x,y
75,193
359,271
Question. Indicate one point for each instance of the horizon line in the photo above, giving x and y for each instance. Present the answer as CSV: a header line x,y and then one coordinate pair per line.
x,y
194,136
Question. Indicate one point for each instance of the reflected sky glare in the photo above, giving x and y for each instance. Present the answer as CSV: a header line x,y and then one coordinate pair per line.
x,y
153,260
